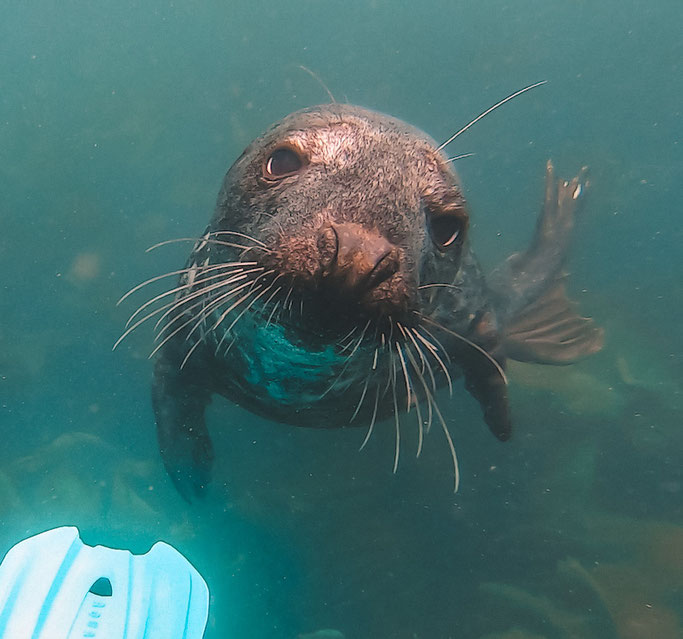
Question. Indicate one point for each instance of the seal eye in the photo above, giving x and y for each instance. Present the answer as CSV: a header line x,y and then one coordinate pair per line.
x,y
445,230
281,163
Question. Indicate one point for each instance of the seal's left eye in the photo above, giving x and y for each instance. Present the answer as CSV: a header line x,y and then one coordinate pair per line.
x,y
281,163
445,230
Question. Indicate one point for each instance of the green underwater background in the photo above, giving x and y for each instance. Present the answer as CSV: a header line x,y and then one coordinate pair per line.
x,y
117,124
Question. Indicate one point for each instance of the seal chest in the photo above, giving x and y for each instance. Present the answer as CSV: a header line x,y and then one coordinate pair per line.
x,y
335,286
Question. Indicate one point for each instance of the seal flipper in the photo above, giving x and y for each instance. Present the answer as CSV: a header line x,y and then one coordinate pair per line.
x,y
540,323
550,331
483,368
524,277
179,402
489,388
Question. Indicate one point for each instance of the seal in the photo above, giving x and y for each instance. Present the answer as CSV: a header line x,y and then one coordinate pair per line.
x,y
335,286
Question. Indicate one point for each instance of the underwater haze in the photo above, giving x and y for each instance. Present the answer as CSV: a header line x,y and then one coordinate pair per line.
x,y
117,124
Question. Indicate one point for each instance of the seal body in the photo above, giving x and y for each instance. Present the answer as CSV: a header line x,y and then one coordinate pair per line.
x,y
335,286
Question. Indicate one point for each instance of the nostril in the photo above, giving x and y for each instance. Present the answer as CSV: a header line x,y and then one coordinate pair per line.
x,y
328,246
385,267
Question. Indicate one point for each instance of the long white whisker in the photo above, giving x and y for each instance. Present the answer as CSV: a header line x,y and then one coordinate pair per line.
x,y
270,317
244,310
493,108
208,240
244,235
198,319
180,272
462,156
347,361
405,375
432,402
478,348
436,343
362,397
422,380
453,286
177,289
396,417
435,355
372,421
189,352
202,292
213,305
233,306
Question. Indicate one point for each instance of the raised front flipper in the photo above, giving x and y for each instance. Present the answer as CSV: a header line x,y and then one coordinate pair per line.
x,y
540,324
524,277
179,401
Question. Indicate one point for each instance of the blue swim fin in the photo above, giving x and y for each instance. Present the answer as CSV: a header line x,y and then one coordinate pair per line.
x,y
53,586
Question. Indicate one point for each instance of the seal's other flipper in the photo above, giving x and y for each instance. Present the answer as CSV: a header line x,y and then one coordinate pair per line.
x,y
524,277
540,323
550,331
179,402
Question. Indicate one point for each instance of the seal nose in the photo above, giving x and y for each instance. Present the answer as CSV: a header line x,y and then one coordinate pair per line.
x,y
355,258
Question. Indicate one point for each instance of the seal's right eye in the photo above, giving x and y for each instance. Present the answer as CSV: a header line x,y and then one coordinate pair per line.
x,y
281,163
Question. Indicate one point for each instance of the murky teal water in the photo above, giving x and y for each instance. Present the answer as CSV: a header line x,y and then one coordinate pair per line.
x,y
117,123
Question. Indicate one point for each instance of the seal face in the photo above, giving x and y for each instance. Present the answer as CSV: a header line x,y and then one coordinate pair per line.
x,y
335,286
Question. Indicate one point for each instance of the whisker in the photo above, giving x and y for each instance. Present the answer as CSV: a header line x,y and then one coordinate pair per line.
x,y
227,311
422,381
437,343
493,108
478,348
233,306
451,446
180,272
244,235
432,402
405,375
213,305
270,317
189,353
238,302
453,286
396,418
409,385
360,339
244,310
199,320
425,364
271,296
347,336
289,294
204,291
435,355
261,294
372,421
460,157
362,397
420,428
188,285
207,240
347,361
319,81
406,335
